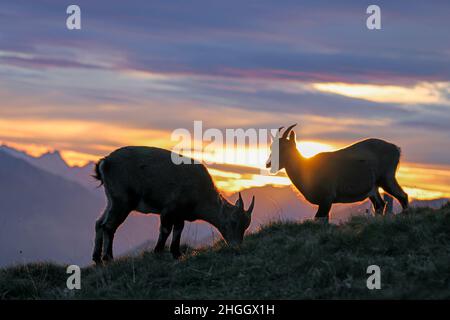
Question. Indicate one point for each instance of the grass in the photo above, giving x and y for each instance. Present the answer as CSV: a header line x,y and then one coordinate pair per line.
x,y
281,261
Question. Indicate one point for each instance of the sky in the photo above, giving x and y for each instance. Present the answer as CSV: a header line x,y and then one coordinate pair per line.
x,y
138,70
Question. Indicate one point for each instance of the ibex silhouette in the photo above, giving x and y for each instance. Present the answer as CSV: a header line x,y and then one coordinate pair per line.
x,y
146,180
347,175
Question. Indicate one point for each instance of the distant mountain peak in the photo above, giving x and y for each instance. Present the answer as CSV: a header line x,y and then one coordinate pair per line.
x,y
54,156
53,162
14,152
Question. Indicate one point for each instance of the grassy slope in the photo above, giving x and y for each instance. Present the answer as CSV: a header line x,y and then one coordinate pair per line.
x,y
282,261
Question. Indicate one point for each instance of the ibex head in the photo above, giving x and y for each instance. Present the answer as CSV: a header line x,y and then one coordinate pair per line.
x,y
236,220
281,149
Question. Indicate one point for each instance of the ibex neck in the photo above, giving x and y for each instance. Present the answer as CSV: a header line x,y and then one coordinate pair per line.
x,y
294,169
294,161
211,212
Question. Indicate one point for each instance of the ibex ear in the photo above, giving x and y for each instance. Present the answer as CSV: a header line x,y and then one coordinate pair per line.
x,y
292,136
250,208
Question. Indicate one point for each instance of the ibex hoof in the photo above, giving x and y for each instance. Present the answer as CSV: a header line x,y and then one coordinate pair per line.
x,y
97,261
176,255
158,250
321,220
107,259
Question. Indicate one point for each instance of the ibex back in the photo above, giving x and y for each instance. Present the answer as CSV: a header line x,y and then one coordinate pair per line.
x,y
347,175
146,180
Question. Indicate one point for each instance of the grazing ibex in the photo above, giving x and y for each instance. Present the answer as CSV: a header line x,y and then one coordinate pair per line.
x,y
347,175
146,180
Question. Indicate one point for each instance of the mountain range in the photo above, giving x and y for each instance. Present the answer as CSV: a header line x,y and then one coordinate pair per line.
x,y
53,162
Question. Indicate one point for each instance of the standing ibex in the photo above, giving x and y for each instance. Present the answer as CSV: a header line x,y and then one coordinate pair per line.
x,y
146,180
347,175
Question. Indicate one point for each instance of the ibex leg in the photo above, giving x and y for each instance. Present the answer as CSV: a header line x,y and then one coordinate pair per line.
x,y
392,187
113,219
176,238
378,203
97,254
165,229
323,212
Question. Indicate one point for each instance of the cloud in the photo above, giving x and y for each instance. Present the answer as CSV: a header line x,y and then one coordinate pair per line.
x,y
422,93
236,39
154,65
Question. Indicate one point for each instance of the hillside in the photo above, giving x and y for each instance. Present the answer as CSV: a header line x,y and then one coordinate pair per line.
x,y
48,209
280,261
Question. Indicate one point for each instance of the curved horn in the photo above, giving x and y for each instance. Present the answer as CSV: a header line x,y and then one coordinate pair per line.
x,y
250,209
285,134
240,202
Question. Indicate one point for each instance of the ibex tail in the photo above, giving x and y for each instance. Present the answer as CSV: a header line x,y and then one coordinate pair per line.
x,y
98,171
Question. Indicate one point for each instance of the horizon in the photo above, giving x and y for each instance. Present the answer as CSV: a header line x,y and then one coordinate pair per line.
x,y
231,181
136,72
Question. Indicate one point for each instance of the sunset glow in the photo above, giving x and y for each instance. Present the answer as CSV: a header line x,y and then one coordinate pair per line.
x,y
126,81
421,181
237,150
311,148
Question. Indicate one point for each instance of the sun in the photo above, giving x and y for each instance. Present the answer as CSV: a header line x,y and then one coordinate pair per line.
x,y
309,149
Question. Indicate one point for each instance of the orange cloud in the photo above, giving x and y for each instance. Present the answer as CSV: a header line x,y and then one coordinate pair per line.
x,y
83,141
